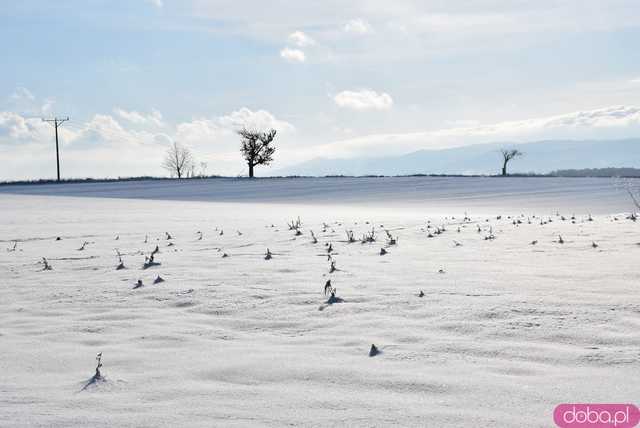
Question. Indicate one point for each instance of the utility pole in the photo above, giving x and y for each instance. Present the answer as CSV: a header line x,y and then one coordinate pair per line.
x,y
57,122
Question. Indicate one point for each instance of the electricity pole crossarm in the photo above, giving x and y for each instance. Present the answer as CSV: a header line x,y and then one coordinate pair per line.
x,y
56,123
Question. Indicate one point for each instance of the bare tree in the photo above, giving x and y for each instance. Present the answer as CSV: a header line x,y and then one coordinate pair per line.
x,y
507,155
256,147
203,169
178,160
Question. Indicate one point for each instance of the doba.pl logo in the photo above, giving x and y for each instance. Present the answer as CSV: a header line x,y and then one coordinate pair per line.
x,y
596,415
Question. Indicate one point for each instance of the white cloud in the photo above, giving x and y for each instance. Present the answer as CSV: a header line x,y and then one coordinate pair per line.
x,y
215,139
413,28
24,101
47,106
358,26
220,132
153,118
103,138
100,130
131,116
259,119
130,147
22,94
200,132
607,122
293,55
16,128
105,131
104,128
364,99
300,39
157,3
615,116
107,128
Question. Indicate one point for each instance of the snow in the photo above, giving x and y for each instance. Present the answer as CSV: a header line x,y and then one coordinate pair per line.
x,y
442,194
506,333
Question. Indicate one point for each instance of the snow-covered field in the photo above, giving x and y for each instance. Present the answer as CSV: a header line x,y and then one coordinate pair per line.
x,y
504,332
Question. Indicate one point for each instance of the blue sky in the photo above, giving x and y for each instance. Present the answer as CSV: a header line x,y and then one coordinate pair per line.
x,y
337,79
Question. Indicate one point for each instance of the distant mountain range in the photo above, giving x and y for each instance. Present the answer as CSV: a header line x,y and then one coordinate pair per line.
x,y
539,157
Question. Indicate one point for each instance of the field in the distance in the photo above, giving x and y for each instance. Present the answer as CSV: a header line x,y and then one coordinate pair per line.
x,y
505,331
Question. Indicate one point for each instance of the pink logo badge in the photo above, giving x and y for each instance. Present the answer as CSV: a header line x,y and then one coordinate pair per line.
x,y
596,415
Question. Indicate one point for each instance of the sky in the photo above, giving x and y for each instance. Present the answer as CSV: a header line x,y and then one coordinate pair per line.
x,y
336,79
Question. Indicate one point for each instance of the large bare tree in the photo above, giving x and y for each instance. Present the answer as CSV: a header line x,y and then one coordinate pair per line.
x,y
256,147
178,160
507,155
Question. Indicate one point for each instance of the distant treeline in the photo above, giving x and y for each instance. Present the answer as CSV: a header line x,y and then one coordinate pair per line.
x,y
597,172
585,172
98,180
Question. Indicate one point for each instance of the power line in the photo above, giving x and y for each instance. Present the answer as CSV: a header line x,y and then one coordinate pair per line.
x,y
56,123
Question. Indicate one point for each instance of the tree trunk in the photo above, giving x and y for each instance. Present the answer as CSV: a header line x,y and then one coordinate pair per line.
x,y
504,168
250,170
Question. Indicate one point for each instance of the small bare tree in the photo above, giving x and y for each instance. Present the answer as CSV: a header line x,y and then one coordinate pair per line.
x,y
507,155
191,171
203,169
178,160
256,147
